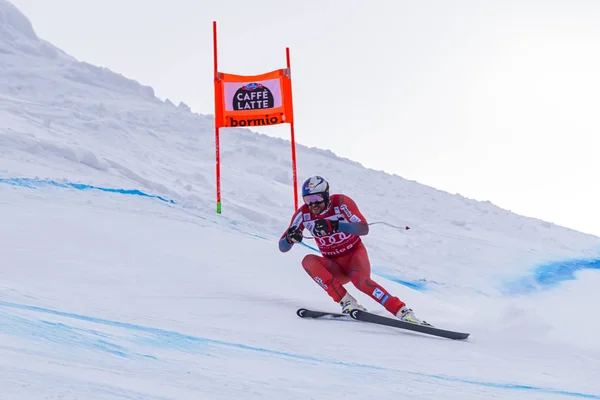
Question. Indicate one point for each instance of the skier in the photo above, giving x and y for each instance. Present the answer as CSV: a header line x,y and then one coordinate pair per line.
x,y
337,225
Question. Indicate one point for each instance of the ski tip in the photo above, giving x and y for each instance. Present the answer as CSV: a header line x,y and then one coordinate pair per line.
x,y
300,312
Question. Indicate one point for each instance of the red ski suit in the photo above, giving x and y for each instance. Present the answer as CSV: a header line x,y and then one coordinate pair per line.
x,y
344,257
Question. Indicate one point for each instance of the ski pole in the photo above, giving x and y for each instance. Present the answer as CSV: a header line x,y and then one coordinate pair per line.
x,y
373,223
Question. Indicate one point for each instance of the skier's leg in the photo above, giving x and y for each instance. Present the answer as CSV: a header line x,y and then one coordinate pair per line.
x,y
328,274
358,268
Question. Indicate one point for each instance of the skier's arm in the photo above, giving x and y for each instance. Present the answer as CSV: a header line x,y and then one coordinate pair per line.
x,y
357,224
354,228
284,245
294,232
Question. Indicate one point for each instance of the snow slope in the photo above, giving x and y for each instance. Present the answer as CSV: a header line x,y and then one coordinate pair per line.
x,y
119,281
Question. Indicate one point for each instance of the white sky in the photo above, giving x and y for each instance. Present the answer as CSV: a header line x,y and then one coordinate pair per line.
x,y
495,100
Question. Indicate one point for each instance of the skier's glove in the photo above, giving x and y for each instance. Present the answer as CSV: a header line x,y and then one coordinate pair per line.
x,y
324,227
294,235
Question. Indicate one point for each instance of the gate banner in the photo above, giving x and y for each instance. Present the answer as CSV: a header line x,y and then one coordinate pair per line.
x,y
253,100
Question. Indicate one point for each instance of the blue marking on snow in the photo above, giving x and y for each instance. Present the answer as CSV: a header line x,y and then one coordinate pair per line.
x,y
550,275
166,338
420,285
254,235
316,250
510,386
35,183
176,340
57,332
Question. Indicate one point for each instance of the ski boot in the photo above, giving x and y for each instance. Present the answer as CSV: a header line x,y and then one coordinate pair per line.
x,y
406,314
349,303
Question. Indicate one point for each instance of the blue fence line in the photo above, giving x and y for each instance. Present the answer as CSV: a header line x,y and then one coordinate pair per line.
x,y
550,275
33,183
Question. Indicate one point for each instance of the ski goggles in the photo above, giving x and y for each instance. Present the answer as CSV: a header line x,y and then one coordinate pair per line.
x,y
313,199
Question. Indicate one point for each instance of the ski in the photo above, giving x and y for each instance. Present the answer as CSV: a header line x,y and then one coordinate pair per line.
x,y
396,323
306,313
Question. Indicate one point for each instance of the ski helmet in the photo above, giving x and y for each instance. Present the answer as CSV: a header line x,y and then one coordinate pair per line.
x,y
316,185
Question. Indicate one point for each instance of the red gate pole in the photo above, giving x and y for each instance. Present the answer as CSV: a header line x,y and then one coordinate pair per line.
x,y
217,149
293,139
